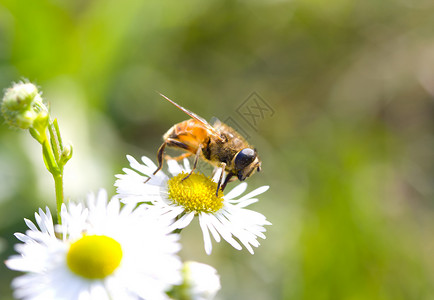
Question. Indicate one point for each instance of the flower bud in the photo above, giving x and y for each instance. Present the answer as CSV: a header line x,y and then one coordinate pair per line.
x,y
21,105
66,153
23,120
19,97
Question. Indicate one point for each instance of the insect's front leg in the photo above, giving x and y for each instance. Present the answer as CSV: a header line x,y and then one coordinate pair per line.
x,y
228,179
159,159
223,167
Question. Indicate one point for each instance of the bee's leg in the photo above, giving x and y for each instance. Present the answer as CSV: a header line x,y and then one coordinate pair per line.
x,y
223,166
178,158
159,159
199,150
171,143
228,179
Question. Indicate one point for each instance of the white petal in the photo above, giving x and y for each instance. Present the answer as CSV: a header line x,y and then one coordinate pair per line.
x,y
184,221
223,227
206,237
217,173
173,167
22,237
246,203
186,165
30,224
148,162
236,191
207,220
255,192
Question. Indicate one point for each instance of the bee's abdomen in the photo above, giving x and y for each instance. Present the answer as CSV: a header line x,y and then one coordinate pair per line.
x,y
189,135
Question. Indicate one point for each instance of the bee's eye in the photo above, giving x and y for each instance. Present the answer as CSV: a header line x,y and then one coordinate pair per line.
x,y
244,158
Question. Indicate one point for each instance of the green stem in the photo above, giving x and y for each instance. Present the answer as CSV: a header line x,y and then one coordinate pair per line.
x,y
57,171
58,184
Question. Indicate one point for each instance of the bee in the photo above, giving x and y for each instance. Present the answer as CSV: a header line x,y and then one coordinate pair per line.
x,y
218,144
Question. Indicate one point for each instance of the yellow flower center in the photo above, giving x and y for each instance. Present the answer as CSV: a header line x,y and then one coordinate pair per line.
x,y
196,193
94,256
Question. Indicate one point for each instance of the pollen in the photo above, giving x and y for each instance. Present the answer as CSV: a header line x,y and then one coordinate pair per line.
x,y
94,256
196,193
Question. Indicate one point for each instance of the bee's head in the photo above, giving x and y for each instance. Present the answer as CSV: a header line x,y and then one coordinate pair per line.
x,y
246,162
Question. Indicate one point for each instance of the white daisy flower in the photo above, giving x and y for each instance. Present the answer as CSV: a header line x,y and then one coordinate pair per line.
x,y
180,200
104,252
201,281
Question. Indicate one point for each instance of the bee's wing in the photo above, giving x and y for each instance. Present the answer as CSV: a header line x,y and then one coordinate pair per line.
x,y
216,123
211,129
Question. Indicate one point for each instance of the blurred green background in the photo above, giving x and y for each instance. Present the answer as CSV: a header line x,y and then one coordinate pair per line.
x,y
346,134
